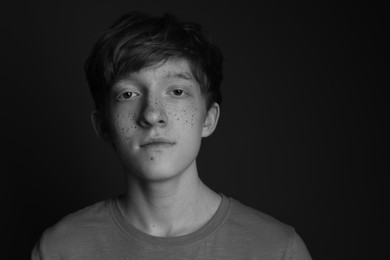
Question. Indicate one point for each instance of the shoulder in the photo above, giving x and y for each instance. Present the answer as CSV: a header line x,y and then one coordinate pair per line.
x,y
263,233
89,218
258,228
253,220
74,230
250,232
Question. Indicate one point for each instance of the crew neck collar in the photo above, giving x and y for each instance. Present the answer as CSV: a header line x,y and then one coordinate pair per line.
x,y
130,231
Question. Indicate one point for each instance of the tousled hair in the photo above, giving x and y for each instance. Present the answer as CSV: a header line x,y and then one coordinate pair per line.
x,y
138,40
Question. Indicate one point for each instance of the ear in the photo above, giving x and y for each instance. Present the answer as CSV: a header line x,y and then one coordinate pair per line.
x,y
100,125
211,120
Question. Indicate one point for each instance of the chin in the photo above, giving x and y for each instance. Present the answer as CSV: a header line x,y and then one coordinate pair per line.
x,y
157,175
160,171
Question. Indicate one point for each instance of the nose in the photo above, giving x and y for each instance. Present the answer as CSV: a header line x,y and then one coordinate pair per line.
x,y
153,114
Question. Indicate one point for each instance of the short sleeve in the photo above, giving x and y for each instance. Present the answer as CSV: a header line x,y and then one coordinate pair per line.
x,y
297,249
37,252
43,249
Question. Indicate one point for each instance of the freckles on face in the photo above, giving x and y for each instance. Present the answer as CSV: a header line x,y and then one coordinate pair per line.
x,y
126,123
187,117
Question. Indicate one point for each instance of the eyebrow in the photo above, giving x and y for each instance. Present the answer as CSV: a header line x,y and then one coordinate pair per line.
x,y
180,75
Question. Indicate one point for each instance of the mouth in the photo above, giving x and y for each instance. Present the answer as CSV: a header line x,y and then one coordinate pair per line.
x,y
156,143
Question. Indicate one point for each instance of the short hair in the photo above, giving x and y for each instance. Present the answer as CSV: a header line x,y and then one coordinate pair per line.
x,y
137,40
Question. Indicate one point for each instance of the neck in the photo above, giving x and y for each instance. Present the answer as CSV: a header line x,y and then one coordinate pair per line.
x,y
173,207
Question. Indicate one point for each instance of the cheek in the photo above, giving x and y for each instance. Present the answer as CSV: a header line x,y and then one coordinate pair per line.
x,y
125,125
188,117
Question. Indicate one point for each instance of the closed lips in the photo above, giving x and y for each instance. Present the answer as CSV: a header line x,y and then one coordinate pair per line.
x,y
158,141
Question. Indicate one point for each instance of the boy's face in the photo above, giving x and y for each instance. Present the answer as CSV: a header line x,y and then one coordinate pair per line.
x,y
156,119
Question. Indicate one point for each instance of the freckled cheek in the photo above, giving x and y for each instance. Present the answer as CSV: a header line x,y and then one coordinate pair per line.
x,y
186,117
125,125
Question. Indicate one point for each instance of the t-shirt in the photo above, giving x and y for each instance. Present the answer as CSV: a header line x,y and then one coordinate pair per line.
x,y
234,232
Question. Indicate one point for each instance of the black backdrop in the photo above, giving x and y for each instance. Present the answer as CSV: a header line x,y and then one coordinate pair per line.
x,y
301,135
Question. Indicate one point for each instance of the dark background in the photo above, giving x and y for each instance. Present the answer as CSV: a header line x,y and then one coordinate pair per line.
x,y
301,135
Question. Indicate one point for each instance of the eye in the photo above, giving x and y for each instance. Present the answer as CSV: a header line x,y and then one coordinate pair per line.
x,y
178,92
127,95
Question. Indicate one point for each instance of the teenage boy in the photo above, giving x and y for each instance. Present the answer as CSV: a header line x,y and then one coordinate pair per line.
x,y
156,86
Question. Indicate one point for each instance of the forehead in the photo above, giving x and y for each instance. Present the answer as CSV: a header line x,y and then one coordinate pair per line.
x,y
170,70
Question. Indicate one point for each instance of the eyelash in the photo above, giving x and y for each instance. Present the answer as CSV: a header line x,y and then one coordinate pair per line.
x,y
181,94
132,95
